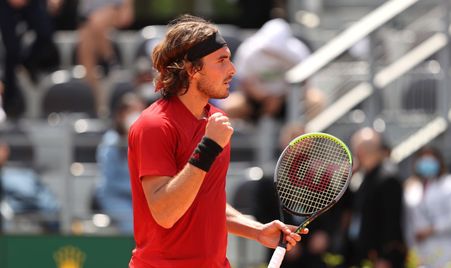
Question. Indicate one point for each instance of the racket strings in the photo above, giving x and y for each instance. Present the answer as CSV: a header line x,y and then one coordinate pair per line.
x,y
318,193
311,174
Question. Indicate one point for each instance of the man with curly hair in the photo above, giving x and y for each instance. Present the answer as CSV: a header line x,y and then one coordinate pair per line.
x,y
179,152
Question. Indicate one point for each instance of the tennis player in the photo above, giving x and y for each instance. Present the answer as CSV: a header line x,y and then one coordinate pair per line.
x,y
179,152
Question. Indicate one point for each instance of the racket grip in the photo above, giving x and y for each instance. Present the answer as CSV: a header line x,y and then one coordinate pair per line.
x,y
277,257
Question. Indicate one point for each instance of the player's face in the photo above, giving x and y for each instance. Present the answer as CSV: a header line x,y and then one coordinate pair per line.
x,y
216,74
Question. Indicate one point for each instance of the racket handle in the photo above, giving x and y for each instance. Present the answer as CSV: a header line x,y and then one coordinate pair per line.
x,y
277,257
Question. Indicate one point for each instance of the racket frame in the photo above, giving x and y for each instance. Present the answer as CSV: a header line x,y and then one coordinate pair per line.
x,y
309,217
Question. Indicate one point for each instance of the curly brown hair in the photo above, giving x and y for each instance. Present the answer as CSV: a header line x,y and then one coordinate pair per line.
x,y
169,56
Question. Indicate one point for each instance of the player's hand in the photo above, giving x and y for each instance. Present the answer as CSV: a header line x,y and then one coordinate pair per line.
x,y
270,234
219,129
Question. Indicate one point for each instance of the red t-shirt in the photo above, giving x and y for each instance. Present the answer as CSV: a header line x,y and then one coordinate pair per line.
x,y
160,143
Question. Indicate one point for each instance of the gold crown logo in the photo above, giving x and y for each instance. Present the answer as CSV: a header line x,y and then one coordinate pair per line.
x,y
69,257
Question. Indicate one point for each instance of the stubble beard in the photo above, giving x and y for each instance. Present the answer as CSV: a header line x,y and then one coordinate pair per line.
x,y
212,91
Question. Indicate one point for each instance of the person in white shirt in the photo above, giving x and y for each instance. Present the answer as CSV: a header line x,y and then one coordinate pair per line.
x,y
428,210
261,62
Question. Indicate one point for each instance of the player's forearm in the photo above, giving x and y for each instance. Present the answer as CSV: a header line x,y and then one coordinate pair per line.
x,y
170,201
241,225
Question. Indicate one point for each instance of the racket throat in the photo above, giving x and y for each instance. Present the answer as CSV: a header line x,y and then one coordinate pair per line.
x,y
306,221
302,226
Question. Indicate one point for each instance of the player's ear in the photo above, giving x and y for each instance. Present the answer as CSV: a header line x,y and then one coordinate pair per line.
x,y
192,68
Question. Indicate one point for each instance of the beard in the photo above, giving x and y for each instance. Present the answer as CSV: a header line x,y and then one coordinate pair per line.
x,y
212,89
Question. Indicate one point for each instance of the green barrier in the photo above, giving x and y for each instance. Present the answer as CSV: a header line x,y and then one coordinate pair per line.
x,y
22,251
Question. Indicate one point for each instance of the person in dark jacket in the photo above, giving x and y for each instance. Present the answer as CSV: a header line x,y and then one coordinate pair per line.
x,y
375,231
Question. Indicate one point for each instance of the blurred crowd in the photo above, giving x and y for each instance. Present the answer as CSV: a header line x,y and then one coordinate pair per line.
x,y
385,220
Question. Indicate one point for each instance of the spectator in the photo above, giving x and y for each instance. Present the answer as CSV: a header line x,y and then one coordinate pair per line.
x,y
25,194
113,194
261,62
428,222
42,55
99,18
375,232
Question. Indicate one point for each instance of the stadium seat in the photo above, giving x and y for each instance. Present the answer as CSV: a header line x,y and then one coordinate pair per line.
x,y
73,96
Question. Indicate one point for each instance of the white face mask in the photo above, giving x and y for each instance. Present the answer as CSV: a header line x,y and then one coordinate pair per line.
x,y
130,119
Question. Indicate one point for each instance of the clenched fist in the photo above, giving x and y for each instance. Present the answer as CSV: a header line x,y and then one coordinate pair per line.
x,y
219,129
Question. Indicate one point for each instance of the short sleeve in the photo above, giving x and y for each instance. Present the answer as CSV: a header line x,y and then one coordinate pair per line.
x,y
153,147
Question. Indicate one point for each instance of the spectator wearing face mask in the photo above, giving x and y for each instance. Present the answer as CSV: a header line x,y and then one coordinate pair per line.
x,y
113,194
428,209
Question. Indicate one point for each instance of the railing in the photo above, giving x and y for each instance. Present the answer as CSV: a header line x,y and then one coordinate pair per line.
x,y
347,39
368,93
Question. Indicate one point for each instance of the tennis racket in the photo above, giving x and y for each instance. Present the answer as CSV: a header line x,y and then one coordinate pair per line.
x,y
311,175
